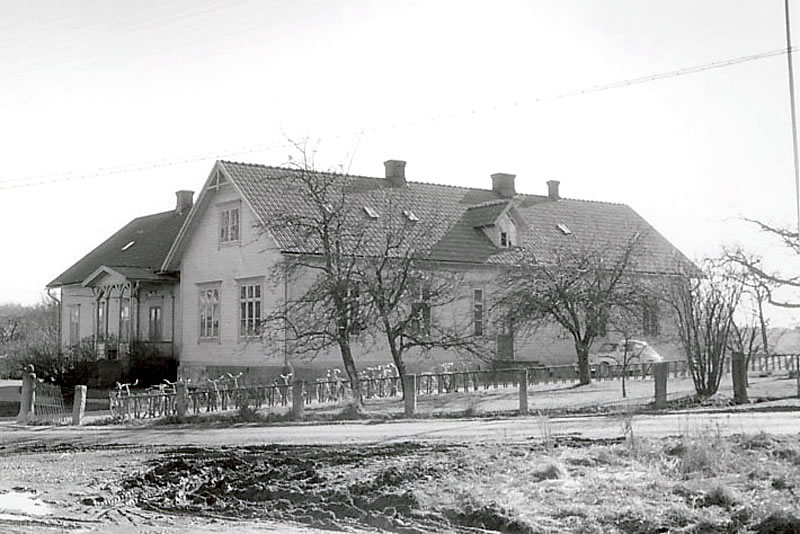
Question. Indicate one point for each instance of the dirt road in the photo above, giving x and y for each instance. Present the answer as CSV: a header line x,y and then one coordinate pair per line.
x,y
71,475
455,430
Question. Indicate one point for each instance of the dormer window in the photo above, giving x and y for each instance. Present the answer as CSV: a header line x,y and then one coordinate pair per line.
x,y
564,229
371,213
410,215
505,241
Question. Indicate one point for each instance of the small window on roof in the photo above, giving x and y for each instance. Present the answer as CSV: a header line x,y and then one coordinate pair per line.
x,y
410,215
129,245
564,229
505,242
371,213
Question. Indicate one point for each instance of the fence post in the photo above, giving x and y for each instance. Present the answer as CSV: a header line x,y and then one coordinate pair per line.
x,y
739,375
410,395
523,392
298,400
78,405
181,400
660,375
28,396
797,372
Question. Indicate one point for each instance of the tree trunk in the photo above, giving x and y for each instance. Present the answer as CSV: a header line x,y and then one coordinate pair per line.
x,y
763,324
352,372
397,357
584,373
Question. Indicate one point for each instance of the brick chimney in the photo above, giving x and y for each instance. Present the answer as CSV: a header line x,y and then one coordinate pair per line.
x,y
552,189
503,184
184,201
395,172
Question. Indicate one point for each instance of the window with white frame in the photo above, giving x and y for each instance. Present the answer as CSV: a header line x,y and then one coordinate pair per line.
x,y
102,326
154,324
229,225
124,319
209,313
478,312
74,324
250,309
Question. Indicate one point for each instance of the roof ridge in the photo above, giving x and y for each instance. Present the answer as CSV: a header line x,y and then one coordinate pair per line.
x,y
420,182
279,168
589,200
488,203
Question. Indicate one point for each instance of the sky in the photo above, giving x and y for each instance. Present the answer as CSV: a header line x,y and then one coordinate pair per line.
x,y
109,107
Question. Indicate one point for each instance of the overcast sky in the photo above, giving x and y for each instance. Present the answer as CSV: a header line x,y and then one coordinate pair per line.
x,y
116,105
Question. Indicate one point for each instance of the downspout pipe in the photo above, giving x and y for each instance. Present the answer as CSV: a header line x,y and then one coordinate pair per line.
x,y
58,303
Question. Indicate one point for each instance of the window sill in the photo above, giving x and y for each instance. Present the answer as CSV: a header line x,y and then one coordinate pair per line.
x,y
227,244
208,340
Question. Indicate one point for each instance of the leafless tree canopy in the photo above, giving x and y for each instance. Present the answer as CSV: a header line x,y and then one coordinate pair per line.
x,y
326,312
762,277
576,288
415,300
705,313
354,274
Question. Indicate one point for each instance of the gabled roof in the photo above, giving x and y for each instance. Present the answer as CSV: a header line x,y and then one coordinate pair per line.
x,y
452,215
486,214
152,237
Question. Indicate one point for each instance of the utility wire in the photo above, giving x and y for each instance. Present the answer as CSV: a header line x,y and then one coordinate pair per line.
x,y
122,169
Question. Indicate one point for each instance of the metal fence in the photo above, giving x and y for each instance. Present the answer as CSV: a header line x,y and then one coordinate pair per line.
x,y
209,399
49,403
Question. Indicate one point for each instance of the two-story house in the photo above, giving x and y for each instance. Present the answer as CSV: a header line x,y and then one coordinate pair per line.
x,y
209,272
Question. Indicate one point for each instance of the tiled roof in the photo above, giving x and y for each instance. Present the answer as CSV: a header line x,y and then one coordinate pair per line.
x,y
152,237
485,214
451,216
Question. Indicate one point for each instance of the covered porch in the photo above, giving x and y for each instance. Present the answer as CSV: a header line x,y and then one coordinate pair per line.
x,y
134,311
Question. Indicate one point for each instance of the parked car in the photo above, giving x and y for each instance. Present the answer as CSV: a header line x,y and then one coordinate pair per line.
x,y
614,353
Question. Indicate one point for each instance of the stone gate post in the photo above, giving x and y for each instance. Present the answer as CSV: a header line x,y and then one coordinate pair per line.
x,y
660,376
27,399
523,392
79,405
298,400
181,400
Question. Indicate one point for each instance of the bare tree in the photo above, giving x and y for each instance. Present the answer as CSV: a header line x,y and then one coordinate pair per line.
x,y
769,281
408,292
25,332
739,265
359,264
705,309
321,264
626,319
575,287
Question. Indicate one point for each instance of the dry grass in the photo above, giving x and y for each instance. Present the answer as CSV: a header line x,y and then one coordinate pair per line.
x,y
695,483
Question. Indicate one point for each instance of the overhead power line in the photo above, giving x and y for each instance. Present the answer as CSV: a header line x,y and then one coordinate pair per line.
x,y
16,183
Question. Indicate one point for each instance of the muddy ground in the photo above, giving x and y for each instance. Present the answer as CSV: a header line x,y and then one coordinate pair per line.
x,y
561,484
